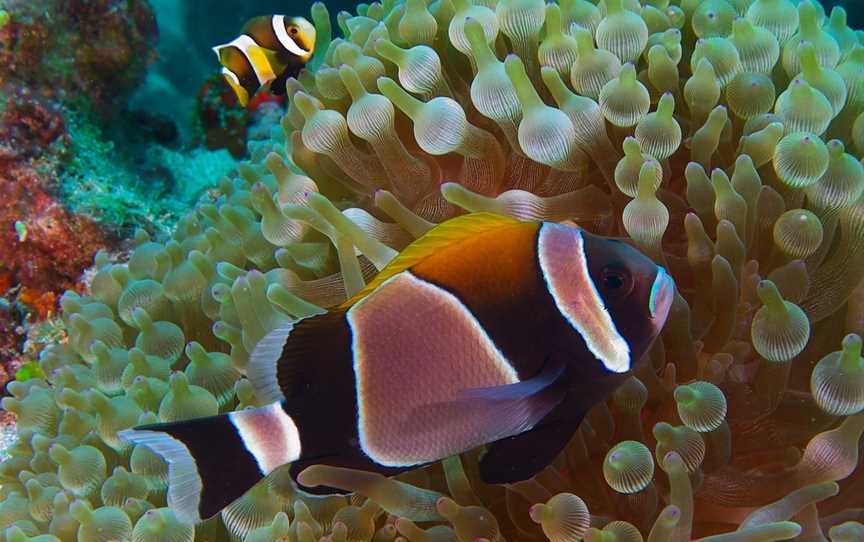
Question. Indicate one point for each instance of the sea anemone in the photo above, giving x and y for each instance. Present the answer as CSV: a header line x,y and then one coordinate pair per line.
x,y
723,138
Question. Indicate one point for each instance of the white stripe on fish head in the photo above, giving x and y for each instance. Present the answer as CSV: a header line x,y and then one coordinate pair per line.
x,y
564,264
285,39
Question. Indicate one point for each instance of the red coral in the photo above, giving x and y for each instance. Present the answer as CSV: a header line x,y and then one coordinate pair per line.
x,y
27,127
44,304
262,98
92,49
42,245
58,245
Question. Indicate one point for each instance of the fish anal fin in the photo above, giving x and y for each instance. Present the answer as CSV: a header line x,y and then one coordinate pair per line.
x,y
442,235
520,457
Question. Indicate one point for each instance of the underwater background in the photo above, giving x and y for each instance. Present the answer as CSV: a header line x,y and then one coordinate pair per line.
x,y
152,230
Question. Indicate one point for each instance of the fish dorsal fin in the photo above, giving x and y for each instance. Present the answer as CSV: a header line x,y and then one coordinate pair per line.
x,y
442,235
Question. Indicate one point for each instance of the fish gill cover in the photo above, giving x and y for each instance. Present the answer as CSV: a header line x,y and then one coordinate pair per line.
x,y
723,137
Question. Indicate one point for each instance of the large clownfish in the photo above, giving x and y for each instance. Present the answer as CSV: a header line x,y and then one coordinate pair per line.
x,y
486,330
269,50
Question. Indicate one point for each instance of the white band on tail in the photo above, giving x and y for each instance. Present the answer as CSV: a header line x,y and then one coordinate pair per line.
x,y
184,483
233,76
269,434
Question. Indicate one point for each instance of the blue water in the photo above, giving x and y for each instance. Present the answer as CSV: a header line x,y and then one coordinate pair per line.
x,y
187,31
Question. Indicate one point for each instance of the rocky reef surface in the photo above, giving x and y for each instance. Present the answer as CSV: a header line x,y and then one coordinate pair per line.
x,y
74,178
723,137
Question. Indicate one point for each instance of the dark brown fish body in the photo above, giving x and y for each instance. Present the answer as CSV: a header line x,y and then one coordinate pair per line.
x,y
486,331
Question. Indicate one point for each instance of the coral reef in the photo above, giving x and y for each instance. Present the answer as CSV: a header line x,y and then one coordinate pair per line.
x,y
36,228
722,137
43,247
99,49
67,188
94,49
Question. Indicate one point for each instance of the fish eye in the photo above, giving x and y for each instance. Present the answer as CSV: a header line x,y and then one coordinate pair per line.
x,y
616,281
293,30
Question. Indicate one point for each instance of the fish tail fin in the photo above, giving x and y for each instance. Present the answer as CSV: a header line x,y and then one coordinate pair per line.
x,y
234,82
218,50
213,461
262,369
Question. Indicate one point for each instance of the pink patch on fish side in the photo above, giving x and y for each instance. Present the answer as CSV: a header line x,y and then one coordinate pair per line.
x,y
416,347
269,434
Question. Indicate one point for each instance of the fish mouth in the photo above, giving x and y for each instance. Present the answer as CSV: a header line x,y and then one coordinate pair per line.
x,y
661,297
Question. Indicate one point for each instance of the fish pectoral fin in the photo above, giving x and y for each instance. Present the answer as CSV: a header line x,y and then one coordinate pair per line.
x,y
520,457
552,370
499,411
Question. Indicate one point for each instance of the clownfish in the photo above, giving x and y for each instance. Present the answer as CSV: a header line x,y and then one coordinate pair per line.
x,y
485,331
269,50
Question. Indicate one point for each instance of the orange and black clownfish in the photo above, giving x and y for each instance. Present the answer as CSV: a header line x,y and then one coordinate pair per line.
x,y
486,330
269,50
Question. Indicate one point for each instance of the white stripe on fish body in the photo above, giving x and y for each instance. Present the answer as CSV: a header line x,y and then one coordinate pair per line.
x,y
244,43
285,39
408,375
561,252
269,434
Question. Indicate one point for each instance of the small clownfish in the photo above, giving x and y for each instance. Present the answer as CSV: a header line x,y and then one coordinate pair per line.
x,y
486,330
269,50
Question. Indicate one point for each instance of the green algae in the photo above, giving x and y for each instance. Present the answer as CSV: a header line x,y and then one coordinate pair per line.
x,y
101,180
